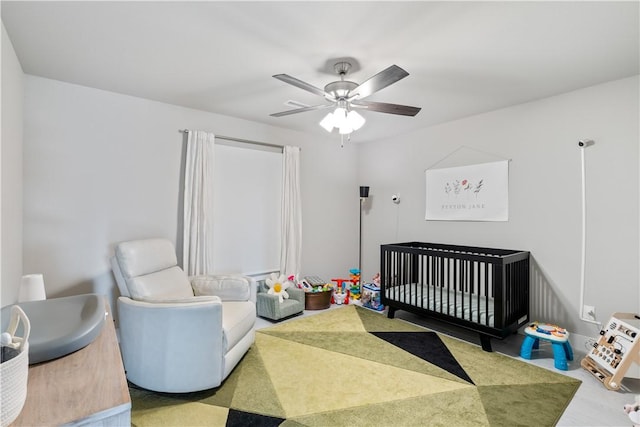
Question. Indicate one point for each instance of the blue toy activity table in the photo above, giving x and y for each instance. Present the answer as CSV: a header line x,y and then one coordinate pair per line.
x,y
557,336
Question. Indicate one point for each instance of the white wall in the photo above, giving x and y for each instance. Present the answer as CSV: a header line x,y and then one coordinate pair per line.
x,y
541,139
102,168
11,176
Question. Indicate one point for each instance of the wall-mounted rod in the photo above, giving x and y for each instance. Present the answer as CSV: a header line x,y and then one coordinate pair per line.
x,y
583,258
244,141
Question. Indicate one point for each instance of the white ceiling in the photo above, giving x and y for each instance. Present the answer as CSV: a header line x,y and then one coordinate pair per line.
x,y
464,58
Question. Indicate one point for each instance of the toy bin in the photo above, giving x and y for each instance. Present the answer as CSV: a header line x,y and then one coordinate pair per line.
x,y
317,300
370,297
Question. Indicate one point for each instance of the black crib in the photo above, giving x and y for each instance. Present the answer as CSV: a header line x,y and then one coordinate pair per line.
x,y
481,289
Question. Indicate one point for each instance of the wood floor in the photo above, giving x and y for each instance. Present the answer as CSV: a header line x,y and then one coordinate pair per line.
x,y
593,404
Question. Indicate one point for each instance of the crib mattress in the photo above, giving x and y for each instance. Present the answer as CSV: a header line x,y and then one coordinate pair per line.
x,y
472,307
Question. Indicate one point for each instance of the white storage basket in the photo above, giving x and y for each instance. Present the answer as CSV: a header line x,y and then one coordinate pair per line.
x,y
14,372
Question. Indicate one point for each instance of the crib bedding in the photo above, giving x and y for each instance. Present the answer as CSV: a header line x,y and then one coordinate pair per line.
x,y
465,306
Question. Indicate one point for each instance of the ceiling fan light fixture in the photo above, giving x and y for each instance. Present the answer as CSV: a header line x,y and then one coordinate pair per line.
x,y
340,117
344,120
355,120
343,95
327,122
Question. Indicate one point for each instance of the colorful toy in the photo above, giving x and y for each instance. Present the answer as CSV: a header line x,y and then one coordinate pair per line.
x,y
355,292
341,284
376,279
278,286
557,336
341,292
371,297
354,275
294,282
339,298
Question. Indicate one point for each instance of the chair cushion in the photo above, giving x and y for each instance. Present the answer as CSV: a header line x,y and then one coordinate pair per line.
x,y
238,317
166,284
140,257
150,271
227,287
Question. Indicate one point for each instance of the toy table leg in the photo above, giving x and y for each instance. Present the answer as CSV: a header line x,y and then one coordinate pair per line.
x,y
568,350
528,344
559,356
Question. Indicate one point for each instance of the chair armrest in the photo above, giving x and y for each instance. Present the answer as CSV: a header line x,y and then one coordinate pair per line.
x,y
296,293
228,287
192,331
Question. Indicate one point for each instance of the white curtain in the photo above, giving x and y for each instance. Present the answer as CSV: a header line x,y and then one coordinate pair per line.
x,y
198,204
291,241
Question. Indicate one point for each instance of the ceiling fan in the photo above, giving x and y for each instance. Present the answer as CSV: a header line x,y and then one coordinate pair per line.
x,y
346,96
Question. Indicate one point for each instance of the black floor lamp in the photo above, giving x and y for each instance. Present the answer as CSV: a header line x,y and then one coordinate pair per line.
x,y
364,194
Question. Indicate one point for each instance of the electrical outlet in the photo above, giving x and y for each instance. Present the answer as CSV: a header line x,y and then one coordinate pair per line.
x,y
589,312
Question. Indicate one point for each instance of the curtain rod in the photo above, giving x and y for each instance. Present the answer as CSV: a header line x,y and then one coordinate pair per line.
x,y
246,141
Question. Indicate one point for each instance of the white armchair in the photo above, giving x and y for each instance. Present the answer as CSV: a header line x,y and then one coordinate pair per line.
x,y
179,334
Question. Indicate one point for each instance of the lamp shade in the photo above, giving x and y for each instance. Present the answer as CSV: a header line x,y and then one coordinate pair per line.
x,y
345,129
355,120
327,122
364,192
32,288
342,119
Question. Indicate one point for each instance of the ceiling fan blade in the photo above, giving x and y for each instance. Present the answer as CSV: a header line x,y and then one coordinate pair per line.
x,y
301,110
302,85
382,107
381,80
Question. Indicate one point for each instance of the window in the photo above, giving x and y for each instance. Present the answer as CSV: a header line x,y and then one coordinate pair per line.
x,y
247,208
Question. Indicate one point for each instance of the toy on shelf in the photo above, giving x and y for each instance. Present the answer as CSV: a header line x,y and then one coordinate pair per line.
x,y
615,351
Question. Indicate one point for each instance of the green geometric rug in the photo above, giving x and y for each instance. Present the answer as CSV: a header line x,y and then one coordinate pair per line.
x,y
354,367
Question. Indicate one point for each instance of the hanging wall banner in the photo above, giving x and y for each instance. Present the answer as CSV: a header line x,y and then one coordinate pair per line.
x,y
469,193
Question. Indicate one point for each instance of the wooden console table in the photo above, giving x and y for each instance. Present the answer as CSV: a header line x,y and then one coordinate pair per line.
x,y
86,387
